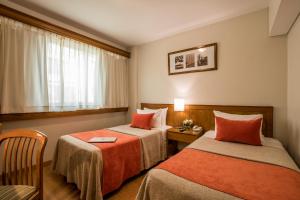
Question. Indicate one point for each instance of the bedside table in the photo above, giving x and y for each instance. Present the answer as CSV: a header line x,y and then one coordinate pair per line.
x,y
174,136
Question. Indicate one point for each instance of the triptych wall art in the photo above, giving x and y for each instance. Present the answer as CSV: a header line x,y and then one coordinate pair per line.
x,y
196,59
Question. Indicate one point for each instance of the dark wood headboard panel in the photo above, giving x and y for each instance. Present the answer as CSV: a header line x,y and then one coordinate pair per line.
x,y
202,115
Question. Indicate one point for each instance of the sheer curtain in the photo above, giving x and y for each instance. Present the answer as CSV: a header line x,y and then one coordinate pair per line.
x,y
42,71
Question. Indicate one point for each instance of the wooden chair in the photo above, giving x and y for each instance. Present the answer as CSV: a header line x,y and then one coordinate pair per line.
x,y
22,177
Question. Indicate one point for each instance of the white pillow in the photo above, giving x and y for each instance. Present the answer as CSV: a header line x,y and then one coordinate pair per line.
x,y
156,119
164,112
237,117
240,118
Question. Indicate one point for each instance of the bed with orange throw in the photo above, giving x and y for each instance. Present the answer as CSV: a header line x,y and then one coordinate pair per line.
x,y
100,168
212,169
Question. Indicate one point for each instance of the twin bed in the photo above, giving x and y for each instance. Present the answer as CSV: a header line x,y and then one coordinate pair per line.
x,y
82,163
211,169
206,169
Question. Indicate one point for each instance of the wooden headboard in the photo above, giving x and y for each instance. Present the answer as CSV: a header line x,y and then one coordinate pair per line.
x,y
202,115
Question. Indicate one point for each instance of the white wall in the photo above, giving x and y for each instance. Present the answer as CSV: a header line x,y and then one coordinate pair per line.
x,y
252,68
293,94
273,10
55,127
282,14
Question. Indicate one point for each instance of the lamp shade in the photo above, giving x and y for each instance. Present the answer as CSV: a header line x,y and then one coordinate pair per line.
x,y
178,104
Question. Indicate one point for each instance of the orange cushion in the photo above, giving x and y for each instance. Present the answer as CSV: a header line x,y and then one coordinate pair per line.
x,y
247,132
142,121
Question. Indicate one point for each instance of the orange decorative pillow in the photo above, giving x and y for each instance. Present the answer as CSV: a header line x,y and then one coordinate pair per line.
x,y
142,121
247,132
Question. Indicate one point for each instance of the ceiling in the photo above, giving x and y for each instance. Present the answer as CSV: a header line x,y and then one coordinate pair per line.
x,y
134,22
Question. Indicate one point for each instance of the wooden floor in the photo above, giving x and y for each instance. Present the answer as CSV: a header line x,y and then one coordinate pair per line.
x,y
56,188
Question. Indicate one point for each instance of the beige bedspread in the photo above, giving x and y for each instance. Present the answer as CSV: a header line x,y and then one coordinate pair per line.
x,y
161,184
153,143
81,162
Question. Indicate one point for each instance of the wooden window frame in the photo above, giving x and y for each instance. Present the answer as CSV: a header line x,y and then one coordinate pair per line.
x,y
44,115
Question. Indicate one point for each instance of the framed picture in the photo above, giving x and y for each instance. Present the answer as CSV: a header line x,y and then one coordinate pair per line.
x,y
196,59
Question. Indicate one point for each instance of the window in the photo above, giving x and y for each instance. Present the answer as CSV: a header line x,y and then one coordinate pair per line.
x,y
43,71
73,75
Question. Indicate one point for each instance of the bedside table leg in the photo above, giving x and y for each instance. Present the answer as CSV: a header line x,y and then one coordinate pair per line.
x,y
172,147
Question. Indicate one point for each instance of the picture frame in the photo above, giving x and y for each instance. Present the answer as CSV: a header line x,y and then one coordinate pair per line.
x,y
196,59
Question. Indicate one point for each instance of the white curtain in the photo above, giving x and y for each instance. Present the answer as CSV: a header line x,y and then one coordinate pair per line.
x,y
42,71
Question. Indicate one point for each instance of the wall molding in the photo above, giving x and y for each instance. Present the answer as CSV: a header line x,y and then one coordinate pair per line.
x,y
44,115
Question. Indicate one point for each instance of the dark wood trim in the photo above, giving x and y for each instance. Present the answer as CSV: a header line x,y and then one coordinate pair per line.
x,y
43,115
202,115
33,21
189,49
175,135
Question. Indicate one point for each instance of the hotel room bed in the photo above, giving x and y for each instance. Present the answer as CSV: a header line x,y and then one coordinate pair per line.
x,y
82,163
200,171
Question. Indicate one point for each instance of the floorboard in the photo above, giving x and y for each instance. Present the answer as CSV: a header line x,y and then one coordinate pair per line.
x,y
56,188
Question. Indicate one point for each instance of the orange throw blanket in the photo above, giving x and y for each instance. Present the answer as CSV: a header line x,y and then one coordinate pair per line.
x,y
240,178
121,160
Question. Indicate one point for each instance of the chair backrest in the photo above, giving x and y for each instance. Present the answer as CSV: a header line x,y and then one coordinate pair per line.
x,y
20,147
